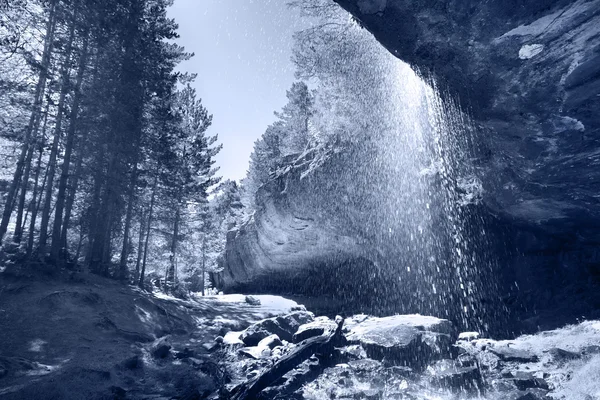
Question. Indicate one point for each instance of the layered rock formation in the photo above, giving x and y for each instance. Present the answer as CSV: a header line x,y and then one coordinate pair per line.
x,y
529,76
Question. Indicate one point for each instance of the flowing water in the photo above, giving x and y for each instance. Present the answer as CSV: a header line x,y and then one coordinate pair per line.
x,y
417,179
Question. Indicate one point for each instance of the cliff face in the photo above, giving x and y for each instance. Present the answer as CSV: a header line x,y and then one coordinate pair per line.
x,y
528,73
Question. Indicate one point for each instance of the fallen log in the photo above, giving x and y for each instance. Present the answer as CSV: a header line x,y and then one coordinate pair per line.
x,y
322,346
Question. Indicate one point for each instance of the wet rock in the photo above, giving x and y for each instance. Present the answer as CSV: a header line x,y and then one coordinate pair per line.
x,y
352,352
365,365
533,395
211,346
403,340
591,349
559,355
161,348
509,354
368,394
270,342
253,301
450,374
468,336
284,327
314,328
294,380
256,353
526,380
233,339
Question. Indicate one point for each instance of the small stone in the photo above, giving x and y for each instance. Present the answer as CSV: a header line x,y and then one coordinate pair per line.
x,y
253,301
219,339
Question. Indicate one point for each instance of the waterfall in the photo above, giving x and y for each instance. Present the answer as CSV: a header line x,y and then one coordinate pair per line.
x,y
413,173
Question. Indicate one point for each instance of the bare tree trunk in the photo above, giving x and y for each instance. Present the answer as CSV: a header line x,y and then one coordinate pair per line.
x,y
35,116
139,249
150,212
57,244
203,263
56,140
35,204
94,212
123,271
73,184
170,278
18,234
32,209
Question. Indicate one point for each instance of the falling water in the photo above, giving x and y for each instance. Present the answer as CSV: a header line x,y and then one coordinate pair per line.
x,y
420,181
433,144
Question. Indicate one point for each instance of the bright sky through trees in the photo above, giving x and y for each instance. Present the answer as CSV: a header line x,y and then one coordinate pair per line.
x,y
243,50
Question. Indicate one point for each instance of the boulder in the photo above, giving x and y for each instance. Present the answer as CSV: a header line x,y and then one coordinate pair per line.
x,y
314,328
511,354
409,340
451,374
284,327
270,342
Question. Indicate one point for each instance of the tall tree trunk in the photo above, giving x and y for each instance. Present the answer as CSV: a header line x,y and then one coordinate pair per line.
x,y
170,278
35,116
202,280
57,244
94,211
32,204
138,260
57,133
73,184
104,218
18,234
123,270
36,204
32,208
148,227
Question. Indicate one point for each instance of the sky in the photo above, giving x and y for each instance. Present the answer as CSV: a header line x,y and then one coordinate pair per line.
x,y
242,56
